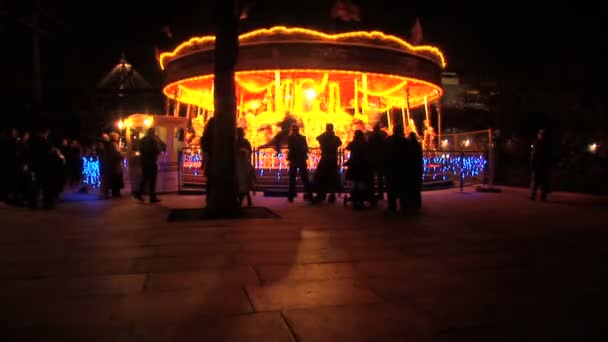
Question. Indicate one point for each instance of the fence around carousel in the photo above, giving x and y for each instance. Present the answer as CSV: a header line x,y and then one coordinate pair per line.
x,y
460,159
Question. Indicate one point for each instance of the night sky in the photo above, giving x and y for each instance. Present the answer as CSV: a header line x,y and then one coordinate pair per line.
x,y
524,44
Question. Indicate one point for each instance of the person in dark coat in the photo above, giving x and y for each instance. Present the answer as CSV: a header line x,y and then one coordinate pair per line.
x,y
416,169
397,149
104,153
207,148
149,148
359,170
47,170
23,184
116,161
377,142
297,156
9,168
74,163
541,162
326,176
245,173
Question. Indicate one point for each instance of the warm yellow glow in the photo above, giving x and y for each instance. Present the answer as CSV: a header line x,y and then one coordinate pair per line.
x,y
354,38
350,100
120,124
310,94
148,121
444,143
592,148
467,143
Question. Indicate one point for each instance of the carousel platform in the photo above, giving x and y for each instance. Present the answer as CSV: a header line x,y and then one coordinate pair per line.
x,y
271,185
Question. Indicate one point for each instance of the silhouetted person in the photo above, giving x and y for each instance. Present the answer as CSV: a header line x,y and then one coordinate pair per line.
x,y
207,147
280,139
46,163
415,171
541,162
104,153
297,156
360,170
244,170
24,177
397,150
149,148
9,167
377,144
180,138
115,159
326,176
74,163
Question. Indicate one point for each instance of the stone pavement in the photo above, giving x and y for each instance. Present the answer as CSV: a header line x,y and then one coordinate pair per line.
x,y
471,267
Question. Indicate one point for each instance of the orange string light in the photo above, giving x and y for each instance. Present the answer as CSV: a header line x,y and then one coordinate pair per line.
x,y
428,51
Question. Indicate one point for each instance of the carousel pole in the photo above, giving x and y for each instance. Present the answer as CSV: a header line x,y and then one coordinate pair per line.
x,y
365,99
178,94
438,108
241,99
356,98
277,91
407,108
426,110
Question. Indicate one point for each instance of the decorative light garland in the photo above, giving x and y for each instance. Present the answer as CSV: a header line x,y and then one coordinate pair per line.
x,y
357,37
90,171
436,167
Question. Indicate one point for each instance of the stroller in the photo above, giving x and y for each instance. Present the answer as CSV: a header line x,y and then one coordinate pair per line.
x,y
360,181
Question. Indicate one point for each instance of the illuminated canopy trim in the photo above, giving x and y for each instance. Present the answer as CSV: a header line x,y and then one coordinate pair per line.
x,y
355,38
435,91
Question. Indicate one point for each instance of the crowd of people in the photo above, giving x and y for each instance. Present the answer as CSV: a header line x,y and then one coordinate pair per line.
x,y
36,170
378,163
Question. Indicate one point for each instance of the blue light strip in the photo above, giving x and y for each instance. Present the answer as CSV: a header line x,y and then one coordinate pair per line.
x,y
436,166
193,162
449,165
90,171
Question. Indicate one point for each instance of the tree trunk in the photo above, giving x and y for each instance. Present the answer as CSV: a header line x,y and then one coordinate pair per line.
x,y
222,195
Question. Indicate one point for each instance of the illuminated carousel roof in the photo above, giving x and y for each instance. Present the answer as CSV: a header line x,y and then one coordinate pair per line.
x,y
282,34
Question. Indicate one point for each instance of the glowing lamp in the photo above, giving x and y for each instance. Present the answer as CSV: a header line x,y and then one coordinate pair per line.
x,y
148,122
310,94
467,143
444,143
120,124
592,148
255,104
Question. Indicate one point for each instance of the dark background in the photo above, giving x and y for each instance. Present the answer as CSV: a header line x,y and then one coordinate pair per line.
x,y
547,58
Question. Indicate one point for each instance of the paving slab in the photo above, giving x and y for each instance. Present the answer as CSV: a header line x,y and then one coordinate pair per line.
x,y
167,264
56,268
266,326
374,322
239,276
164,307
75,286
470,267
310,294
309,272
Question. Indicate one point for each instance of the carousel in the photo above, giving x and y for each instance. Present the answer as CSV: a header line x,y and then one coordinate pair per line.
x,y
287,76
